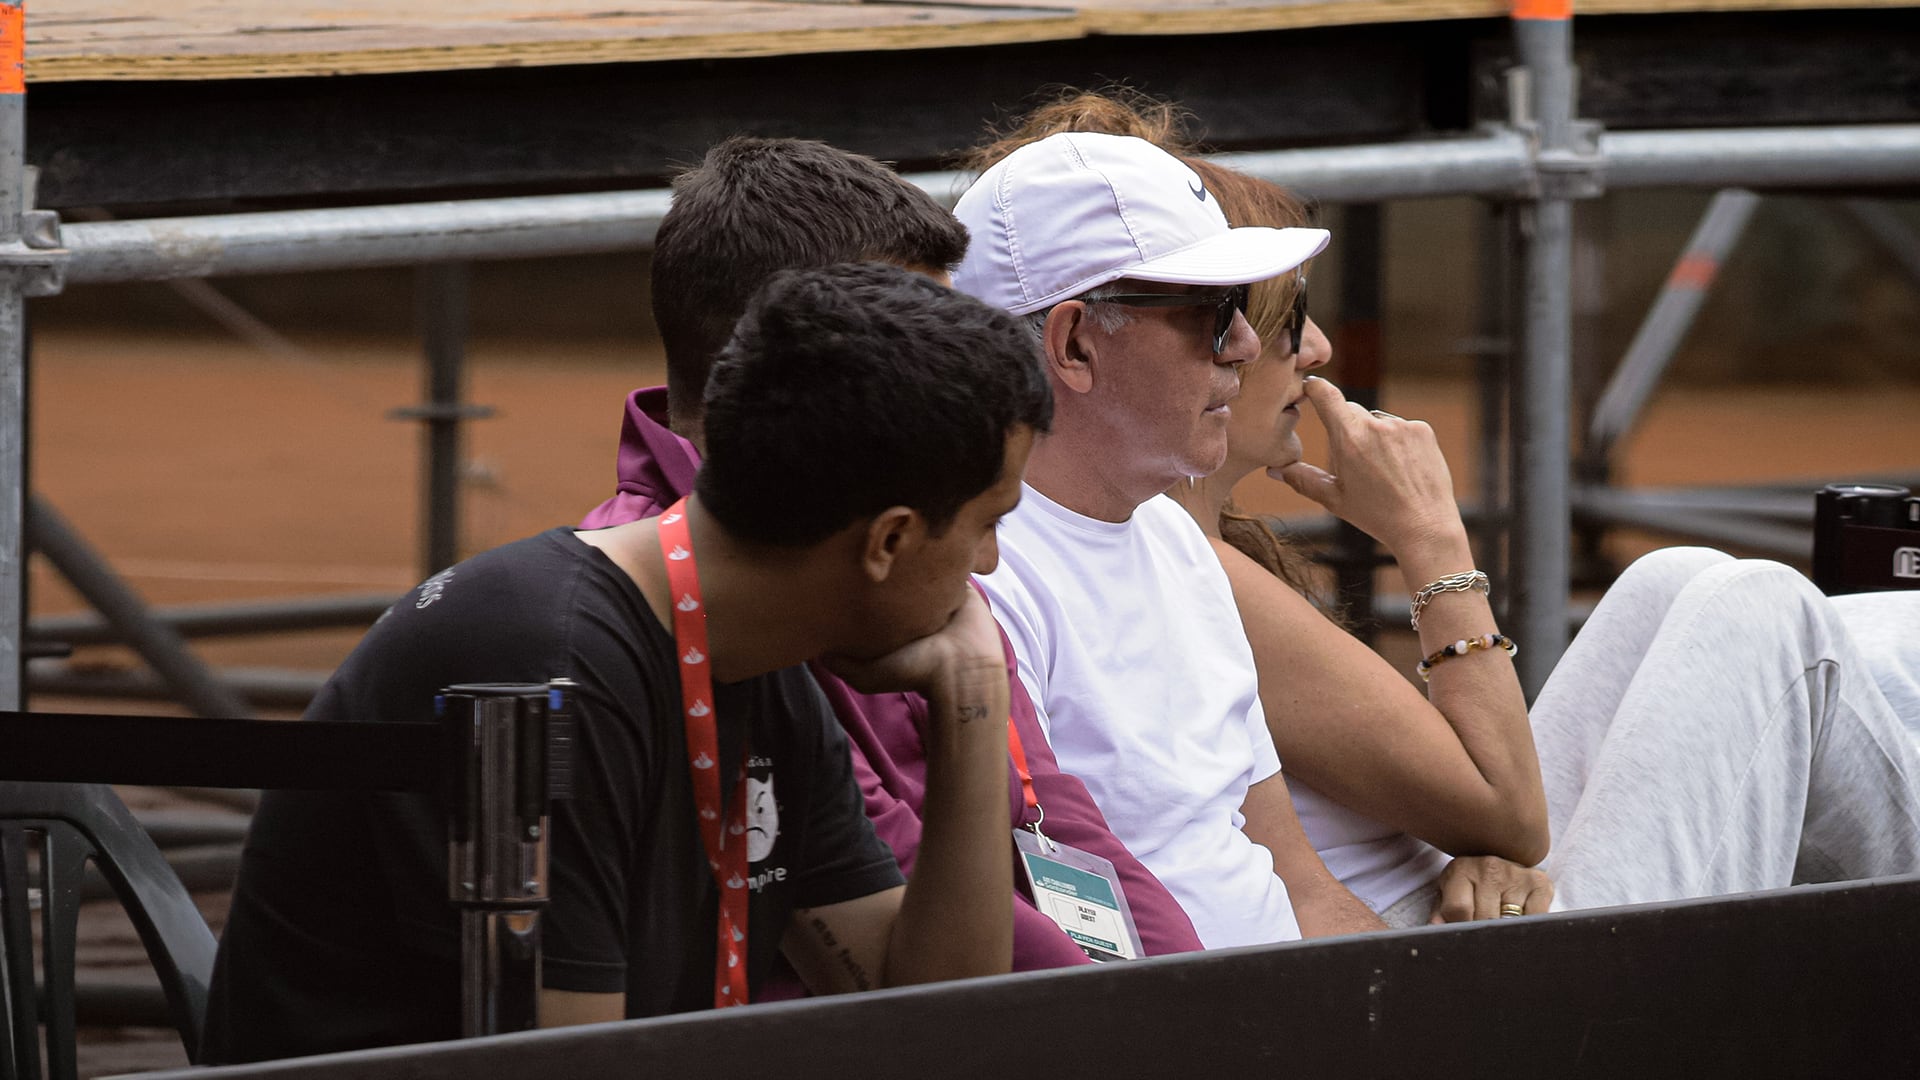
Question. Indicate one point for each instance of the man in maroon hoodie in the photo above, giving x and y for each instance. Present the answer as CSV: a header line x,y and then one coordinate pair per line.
x,y
754,207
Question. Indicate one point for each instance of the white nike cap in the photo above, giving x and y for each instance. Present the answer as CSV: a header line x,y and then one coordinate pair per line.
x,y
1076,210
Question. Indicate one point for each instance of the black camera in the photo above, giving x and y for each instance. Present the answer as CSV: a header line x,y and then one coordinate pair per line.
x,y
1866,538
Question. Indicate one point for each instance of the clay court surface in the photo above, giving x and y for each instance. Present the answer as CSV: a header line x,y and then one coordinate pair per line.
x,y
207,471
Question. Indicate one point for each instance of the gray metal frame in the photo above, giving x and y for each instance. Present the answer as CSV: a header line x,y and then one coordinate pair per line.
x,y
1538,546
13,402
27,268
1530,169
1668,320
159,644
1497,163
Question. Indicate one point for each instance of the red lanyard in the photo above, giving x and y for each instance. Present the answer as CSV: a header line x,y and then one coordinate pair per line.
x,y
1019,753
726,840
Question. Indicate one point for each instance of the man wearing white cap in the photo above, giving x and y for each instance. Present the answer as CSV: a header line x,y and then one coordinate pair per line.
x,y
1122,619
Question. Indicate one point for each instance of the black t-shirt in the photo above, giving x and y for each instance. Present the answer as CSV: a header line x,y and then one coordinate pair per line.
x,y
341,936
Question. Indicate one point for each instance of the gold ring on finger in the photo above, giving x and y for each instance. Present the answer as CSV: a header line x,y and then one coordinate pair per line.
x,y
1511,911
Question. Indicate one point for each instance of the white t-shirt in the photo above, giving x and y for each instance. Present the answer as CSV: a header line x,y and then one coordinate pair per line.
x,y
1131,647
1377,863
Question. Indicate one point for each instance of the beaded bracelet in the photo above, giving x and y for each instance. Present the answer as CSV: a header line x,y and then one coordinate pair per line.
x,y
1466,580
1462,648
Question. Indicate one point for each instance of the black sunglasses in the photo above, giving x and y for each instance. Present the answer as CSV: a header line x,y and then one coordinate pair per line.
x,y
1297,314
1233,300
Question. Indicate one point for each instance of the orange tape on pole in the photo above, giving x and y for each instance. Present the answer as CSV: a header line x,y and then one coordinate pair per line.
x,y
1543,9
1694,272
13,49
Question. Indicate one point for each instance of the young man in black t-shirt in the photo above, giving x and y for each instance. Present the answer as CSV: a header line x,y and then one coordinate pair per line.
x,y
866,430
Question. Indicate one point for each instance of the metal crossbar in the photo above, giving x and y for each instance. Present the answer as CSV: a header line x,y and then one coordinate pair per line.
x,y
1496,164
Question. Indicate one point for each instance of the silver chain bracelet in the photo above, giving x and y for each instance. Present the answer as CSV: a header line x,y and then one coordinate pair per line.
x,y
1465,581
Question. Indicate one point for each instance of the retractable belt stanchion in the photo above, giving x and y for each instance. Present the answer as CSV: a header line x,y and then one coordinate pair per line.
x,y
509,753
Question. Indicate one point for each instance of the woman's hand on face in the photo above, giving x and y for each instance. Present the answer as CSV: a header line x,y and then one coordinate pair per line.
x,y
1384,475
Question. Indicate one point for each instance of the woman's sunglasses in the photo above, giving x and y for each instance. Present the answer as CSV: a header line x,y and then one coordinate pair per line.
x,y
1296,325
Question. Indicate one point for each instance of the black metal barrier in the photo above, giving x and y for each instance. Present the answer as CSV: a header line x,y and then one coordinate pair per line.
x,y
496,755
175,751
1811,981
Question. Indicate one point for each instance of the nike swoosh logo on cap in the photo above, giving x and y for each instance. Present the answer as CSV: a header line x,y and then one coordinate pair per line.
x,y
1199,192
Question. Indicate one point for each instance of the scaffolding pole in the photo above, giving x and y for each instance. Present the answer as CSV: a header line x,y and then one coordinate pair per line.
x,y
534,226
246,617
161,646
1667,322
1496,161
1800,157
1494,164
442,300
30,265
13,368
1542,514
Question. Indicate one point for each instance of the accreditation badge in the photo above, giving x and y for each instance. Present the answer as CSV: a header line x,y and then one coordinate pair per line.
x,y
1081,893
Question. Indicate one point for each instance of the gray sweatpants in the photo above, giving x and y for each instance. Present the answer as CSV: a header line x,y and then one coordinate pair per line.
x,y
1713,729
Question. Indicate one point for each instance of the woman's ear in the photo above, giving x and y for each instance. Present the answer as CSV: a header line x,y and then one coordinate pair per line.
x,y
891,532
1070,346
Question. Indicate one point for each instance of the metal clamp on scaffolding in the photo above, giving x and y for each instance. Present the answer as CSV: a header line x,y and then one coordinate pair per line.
x,y
509,750
1576,171
37,257
1571,166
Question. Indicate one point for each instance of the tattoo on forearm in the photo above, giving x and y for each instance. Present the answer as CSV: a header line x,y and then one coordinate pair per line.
x,y
970,713
826,934
854,971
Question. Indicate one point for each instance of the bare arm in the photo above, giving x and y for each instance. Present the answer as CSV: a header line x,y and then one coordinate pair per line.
x,y
1354,728
841,948
953,919
1457,770
1322,905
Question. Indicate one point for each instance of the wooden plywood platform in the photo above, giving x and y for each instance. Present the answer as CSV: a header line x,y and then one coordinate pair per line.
x,y
118,40
83,40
